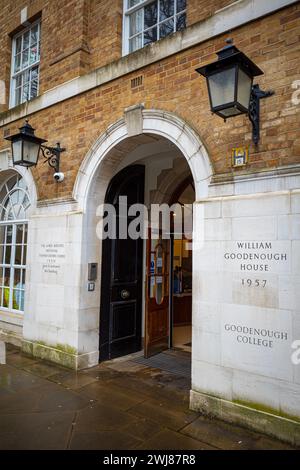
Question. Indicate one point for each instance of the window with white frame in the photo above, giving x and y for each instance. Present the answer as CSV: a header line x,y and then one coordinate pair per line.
x,y
14,206
146,21
25,65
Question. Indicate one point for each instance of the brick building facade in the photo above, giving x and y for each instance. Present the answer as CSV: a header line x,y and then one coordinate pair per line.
x,y
111,109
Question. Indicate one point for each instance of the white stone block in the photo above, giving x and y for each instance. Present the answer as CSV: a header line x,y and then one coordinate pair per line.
x,y
295,203
206,346
217,229
206,315
251,388
254,228
212,379
256,206
269,327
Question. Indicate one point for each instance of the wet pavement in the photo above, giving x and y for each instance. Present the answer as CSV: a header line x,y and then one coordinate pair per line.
x,y
117,405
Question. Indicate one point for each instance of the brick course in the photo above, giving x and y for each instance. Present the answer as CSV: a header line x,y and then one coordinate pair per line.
x,y
171,84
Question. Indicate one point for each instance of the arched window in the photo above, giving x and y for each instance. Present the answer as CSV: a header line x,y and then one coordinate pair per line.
x,y
14,206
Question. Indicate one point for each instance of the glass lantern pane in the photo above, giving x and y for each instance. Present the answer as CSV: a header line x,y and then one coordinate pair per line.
x,y
244,89
17,150
222,87
30,152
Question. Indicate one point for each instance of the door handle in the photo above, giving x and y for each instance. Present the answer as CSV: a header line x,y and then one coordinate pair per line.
x,y
125,294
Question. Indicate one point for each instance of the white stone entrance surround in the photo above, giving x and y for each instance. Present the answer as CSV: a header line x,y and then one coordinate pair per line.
x,y
252,384
237,374
61,321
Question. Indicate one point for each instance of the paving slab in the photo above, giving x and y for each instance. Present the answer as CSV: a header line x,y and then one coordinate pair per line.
x,y
123,406
47,430
170,440
165,415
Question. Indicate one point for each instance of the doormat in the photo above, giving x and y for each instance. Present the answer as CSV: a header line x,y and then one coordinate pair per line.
x,y
175,363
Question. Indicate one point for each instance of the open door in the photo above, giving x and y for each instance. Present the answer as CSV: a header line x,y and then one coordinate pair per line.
x,y
122,273
157,324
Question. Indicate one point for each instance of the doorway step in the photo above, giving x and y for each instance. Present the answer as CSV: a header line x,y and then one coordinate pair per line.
x,y
173,361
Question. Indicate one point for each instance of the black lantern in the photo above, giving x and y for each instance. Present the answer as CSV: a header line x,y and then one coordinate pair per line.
x,y
26,149
25,146
230,86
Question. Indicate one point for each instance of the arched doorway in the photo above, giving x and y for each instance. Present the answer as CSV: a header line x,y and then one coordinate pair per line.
x,y
162,136
146,288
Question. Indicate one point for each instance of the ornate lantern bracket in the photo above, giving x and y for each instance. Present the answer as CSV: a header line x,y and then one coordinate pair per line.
x,y
52,155
254,110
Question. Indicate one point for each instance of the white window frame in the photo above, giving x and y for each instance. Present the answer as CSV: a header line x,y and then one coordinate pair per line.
x,y
127,12
12,265
13,75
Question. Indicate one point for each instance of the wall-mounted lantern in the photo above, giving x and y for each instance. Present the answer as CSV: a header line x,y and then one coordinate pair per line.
x,y
230,86
26,148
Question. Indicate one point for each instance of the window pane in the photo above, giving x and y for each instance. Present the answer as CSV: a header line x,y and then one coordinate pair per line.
x,y
18,255
6,277
8,232
33,89
18,94
166,9
25,94
34,35
18,44
166,28
150,15
19,81
1,277
25,233
2,234
18,300
7,257
19,234
26,40
25,58
17,63
132,3
6,297
180,22
17,279
181,5
135,43
33,54
136,22
150,35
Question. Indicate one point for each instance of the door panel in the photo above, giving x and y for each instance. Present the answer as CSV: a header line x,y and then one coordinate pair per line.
x,y
121,281
157,324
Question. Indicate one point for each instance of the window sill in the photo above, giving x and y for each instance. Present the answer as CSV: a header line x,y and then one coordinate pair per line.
x,y
12,317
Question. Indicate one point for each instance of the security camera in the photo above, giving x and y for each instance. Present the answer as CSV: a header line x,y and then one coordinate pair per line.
x,y
59,177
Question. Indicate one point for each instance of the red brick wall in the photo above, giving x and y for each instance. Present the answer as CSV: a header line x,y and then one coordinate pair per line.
x,y
199,10
173,85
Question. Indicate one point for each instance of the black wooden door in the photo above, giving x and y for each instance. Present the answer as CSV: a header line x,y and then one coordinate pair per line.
x,y
122,272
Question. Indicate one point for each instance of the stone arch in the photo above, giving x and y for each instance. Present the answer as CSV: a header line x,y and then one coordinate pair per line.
x,y
28,178
107,152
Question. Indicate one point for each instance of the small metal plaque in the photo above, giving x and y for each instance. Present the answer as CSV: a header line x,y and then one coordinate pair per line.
x,y
240,156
